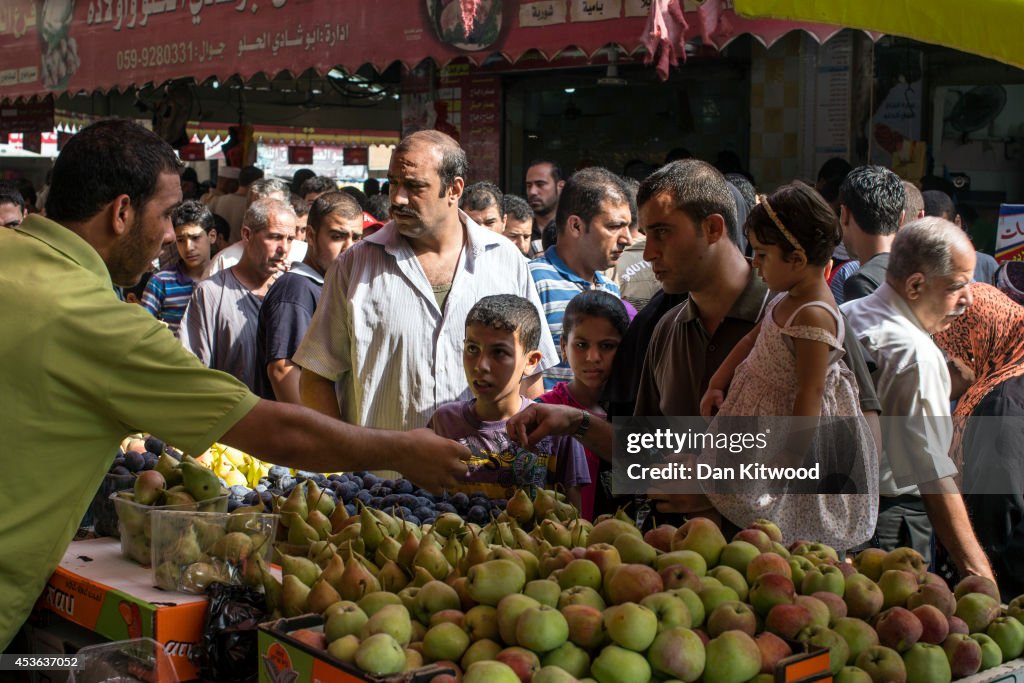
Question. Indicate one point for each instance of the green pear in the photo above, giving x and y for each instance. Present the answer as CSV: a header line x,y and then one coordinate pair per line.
x,y
392,620
490,672
149,486
320,523
453,551
317,499
168,467
430,557
480,651
381,655
520,507
407,553
476,552
634,550
618,665
371,603
344,649
391,577
321,596
202,483
186,550
296,502
301,568
490,581
294,594
357,580
343,618
445,641
567,657
371,530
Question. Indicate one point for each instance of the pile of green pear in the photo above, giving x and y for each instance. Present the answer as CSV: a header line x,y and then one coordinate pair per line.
x,y
602,602
193,549
171,485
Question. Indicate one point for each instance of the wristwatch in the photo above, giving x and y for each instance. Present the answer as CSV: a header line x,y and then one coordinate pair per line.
x,y
584,425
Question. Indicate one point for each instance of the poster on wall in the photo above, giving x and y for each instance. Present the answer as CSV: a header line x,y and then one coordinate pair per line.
x,y
1010,233
896,120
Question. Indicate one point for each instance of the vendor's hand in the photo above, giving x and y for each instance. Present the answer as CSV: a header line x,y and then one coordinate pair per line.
x,y
538,420
711,402
433,462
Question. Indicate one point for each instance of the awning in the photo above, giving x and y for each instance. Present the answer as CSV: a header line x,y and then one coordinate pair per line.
x,y
990,28
53,46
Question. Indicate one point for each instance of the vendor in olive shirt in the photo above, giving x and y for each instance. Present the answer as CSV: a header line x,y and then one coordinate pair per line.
x,y
83,370
689,217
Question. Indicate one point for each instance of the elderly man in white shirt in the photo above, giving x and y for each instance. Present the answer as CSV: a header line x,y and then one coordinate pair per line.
x,y
930,266
384,348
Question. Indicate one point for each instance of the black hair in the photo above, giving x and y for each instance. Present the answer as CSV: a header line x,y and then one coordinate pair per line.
x,y
299,177
102,161
28,191
510,313
192,212
875,197
299,205
678,154
223,228
318,184
583,193
741,183
356,194
249,175
517,207
371,186
914,203
189,174
632,186
698,189
453,158
556,170
479,196
9,194
379,206
831,176
341,203
805,215
595,303
938,203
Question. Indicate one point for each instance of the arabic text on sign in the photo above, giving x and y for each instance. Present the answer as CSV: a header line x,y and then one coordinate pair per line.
x,y
136,13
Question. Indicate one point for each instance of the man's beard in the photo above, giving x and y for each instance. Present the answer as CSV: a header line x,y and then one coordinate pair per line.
x,y
128,259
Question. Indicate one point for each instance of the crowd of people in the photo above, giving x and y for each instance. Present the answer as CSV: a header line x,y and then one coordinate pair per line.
x,y
476,340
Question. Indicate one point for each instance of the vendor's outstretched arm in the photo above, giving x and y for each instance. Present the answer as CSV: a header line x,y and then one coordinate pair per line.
x,y
545,419
298,437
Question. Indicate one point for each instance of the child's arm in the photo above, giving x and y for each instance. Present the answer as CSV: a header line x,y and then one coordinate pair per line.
x,y
812,360
722,378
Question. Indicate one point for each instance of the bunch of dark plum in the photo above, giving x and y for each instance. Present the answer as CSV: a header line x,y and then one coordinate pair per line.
x,y
136,461
399,497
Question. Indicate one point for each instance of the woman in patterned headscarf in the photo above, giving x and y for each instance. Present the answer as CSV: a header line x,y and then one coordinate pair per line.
x,y
989,448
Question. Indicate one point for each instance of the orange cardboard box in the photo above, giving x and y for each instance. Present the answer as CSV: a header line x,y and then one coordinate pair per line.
x,y
97,588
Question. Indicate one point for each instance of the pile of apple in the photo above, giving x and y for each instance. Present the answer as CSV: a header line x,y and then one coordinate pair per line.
x,y
604,603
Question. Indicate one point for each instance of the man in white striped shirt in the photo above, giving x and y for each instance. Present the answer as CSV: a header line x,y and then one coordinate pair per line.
x,y
384,348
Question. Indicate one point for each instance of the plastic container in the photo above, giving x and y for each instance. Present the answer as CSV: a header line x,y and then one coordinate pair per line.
x,y
133,523
190,550
125,661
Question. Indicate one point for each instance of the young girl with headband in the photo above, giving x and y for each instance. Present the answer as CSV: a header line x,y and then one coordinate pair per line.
x,y
790,365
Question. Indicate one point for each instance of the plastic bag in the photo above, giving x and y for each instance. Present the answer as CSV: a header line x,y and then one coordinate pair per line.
x,y
229,649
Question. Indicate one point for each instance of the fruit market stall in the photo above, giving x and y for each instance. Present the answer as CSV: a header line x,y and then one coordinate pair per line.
x,y
365,579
